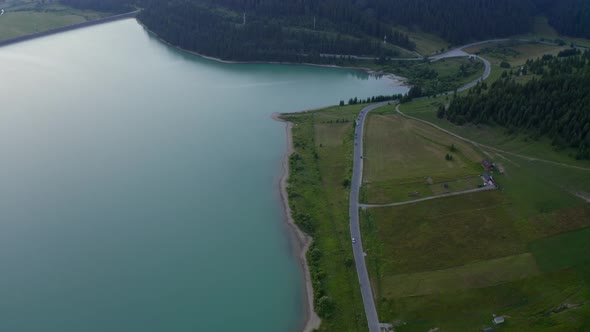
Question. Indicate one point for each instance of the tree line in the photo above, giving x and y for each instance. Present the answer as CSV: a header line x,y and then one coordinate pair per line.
x,y
555,103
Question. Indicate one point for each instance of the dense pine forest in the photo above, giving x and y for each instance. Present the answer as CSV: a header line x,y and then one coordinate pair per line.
x,y
311,30
555,103
568,17
281,31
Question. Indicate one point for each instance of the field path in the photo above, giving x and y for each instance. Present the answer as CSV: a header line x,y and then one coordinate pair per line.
x,y
367,206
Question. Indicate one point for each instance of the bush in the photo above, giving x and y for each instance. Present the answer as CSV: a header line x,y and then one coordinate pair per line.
x,y
325,306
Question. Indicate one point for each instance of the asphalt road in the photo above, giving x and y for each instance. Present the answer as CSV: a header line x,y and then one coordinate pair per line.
x,y
355,231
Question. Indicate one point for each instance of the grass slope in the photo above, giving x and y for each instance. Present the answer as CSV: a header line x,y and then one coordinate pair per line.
x,y
31,19
514,52
426,44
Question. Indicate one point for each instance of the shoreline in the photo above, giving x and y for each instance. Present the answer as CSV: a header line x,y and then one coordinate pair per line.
x,y
401,81
302,240
392,77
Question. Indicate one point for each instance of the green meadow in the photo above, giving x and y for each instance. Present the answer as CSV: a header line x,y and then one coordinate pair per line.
x,y
405,160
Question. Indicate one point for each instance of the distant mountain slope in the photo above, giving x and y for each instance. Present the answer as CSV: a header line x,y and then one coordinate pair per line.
x,y
288,30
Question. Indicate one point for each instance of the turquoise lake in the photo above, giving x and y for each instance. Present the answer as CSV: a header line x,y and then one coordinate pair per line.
x,y
139,185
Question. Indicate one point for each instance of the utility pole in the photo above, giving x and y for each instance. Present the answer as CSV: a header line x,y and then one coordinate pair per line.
x,y
244,19
314,22
385,39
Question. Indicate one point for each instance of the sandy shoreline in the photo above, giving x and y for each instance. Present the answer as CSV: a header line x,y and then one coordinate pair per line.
x,y
303,241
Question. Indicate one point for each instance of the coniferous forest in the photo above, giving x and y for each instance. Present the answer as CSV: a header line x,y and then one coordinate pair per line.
x,y
555,103
303,31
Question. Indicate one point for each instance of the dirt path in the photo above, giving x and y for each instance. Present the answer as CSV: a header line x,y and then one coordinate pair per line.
x,y
367,206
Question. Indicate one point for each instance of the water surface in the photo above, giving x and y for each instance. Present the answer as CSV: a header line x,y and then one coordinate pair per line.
x,y
138,185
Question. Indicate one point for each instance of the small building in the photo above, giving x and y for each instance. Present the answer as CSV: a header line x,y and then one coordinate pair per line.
x,y
488,329
498,320
488,180
487,165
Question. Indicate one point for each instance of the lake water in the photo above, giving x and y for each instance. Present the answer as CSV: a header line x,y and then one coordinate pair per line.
x,y
138,185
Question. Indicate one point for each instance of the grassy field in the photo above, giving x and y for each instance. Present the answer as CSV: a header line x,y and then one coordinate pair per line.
x,y
322,160
30,19
515,53
453,262
15,3
475,275
529,305
563,250
405,160
426,44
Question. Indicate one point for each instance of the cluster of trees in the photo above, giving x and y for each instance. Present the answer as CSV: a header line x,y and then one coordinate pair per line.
x,y
323,304
555,103
374,99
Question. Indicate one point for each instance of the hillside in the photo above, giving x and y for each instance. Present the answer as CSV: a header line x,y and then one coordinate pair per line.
x,y
552,103
309,31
